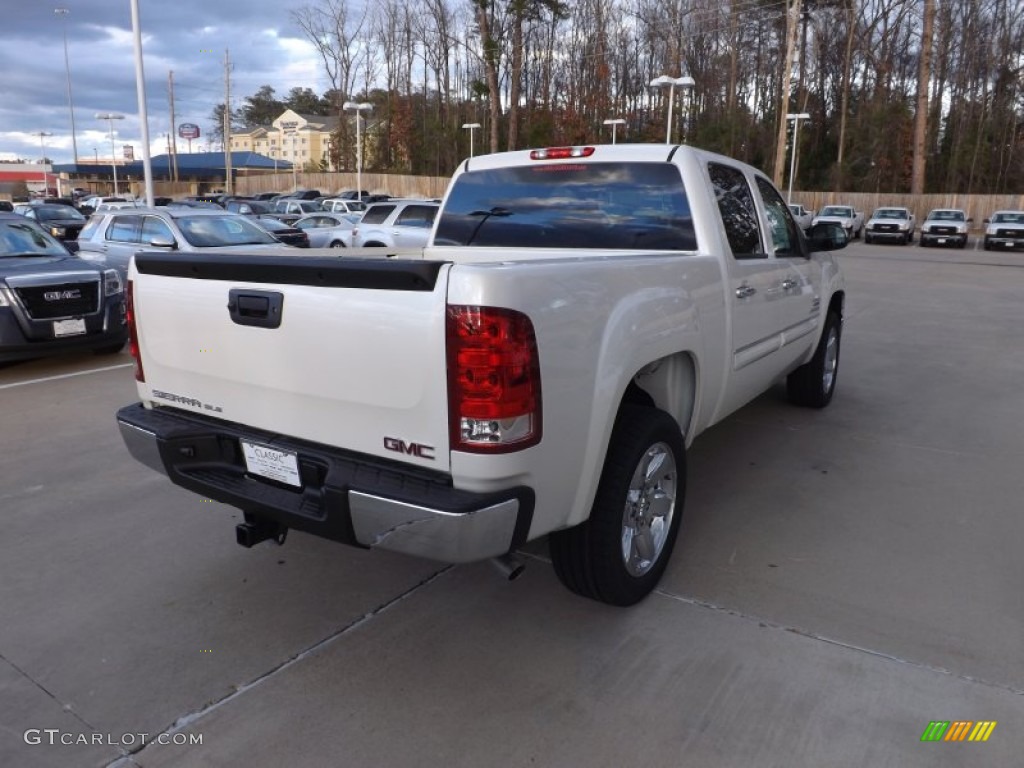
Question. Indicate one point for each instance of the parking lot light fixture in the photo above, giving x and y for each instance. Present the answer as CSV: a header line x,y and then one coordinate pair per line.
x,y
614,123
110,117
62,14
358,107
664,81
796,118
472,130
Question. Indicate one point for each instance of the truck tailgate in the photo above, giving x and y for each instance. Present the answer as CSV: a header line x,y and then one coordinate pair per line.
x,y
345,352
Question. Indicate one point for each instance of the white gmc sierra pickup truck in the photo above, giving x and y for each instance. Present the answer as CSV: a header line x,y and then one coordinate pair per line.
x,y
580,315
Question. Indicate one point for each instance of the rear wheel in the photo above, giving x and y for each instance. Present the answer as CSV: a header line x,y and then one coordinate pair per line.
x,y
619,554
813,383
337,244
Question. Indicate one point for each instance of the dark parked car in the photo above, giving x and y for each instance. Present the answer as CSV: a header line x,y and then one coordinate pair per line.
x,y
306,194
61,221
51,301
287,234
249,207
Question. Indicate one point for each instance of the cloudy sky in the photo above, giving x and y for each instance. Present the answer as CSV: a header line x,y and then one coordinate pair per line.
x,y
186,36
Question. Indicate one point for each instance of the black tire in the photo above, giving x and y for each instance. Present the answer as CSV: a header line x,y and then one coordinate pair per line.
x,y
812,384
988,246
110,349
910,238
337,244
963,244
588,558
867,239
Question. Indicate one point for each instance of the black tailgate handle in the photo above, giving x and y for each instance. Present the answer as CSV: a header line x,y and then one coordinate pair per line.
x,y
259,308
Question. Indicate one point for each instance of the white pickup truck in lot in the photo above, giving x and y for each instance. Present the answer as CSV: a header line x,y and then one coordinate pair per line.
x,y
580,315
846,216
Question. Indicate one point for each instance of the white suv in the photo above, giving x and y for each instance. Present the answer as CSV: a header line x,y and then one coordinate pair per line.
x,y
396,224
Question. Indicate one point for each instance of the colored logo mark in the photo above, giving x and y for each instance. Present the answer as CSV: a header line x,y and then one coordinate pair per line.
x,y
958,730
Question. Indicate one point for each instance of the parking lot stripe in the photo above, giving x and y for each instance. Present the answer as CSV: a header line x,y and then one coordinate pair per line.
x,y
65,376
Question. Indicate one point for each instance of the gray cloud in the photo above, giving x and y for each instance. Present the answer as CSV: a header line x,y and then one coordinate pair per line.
x,y
187,36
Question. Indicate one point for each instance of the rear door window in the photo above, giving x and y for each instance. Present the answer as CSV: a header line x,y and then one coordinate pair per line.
x,y
621,205
376,214
417,216
736,205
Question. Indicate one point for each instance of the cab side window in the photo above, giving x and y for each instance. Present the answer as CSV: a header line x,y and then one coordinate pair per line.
x,y
736,206
154,228
785,238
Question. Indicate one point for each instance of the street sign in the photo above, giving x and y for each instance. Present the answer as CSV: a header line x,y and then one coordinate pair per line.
x,y
129,152
188,131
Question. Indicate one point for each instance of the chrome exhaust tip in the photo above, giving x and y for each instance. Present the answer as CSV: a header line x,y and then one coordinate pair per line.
x,y
510,566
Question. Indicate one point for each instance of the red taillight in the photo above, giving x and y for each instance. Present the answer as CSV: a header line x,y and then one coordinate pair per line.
x,y
561,153
493,380
133,336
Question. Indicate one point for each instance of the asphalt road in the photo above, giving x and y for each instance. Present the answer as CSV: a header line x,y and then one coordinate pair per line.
x,y
843,578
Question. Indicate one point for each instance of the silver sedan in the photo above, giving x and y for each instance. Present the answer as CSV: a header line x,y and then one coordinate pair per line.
x,y
328,230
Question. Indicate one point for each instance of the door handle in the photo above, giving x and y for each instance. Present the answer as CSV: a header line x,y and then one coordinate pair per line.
x,y
745,292
788,284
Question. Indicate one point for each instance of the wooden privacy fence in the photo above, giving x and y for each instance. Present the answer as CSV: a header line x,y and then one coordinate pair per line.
x,y
330,183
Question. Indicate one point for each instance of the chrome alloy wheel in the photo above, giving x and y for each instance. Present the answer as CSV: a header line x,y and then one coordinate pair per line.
x,y
828,375
650,505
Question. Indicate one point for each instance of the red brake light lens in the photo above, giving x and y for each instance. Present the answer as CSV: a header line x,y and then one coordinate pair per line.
x,y
561,153
494,403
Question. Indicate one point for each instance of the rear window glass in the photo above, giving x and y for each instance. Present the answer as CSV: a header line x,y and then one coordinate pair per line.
x,y
375,214
417,216
570,205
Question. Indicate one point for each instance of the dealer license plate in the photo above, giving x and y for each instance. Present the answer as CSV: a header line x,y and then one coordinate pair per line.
x,y
282,466
73,327
941,241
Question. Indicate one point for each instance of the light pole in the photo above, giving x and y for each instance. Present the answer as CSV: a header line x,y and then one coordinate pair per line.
x,y
614,123
357,107
796,118
664,81
42,148
472,131
110,117
62,13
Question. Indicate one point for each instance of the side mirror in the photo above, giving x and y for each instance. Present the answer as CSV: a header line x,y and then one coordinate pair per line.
x,y
970,220
163,242
986,221
827,236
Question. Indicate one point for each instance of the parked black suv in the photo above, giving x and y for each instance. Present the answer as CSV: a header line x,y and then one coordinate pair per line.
x,y
62,221
51,301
